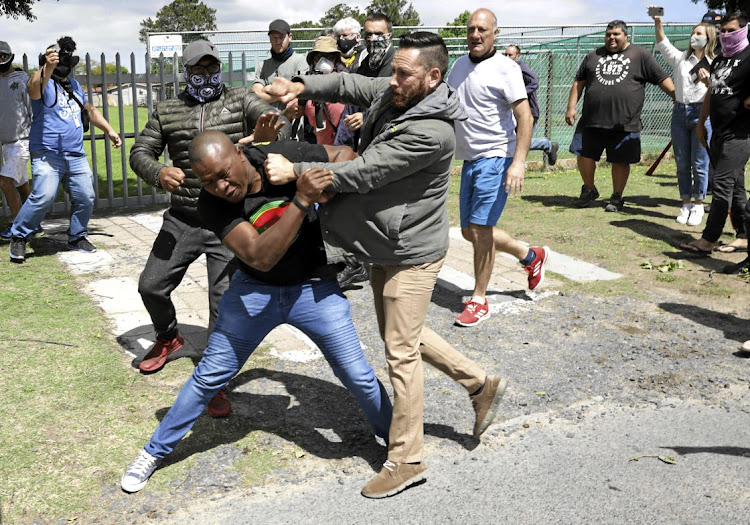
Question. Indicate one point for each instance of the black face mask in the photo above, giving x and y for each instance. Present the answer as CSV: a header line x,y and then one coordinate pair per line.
x,y
345,45
5,67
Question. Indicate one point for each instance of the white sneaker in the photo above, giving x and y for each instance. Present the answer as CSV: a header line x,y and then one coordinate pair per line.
x,y
682,218
696,215
139,472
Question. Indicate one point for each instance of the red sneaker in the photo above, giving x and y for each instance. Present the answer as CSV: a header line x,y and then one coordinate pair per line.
x,y
473,314
156,358
219,406
536,268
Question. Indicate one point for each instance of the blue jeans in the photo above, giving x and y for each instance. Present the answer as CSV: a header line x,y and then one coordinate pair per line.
x,y
48,169
248,311
543,144
689,155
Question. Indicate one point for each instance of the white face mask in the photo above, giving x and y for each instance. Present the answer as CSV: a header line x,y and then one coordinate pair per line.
x,y
323,66
698,41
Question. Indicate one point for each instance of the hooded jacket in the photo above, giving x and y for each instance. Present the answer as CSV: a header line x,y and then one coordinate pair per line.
x,y
390,202
176,121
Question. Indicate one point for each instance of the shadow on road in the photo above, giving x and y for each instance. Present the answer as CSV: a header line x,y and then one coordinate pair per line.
x,y
320,417
734,328
726,451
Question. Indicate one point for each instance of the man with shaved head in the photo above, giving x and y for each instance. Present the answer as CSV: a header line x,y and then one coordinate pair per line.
x,y
283,277
491,89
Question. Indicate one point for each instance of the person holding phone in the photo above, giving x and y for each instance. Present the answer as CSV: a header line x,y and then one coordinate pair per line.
x,y
691,74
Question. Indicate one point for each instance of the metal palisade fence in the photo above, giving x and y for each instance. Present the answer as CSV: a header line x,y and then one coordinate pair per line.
x,y
127,99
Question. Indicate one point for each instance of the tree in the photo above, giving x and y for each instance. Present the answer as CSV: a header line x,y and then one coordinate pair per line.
x,y
180,15
397,11
340,11
17,8
460,22
726,6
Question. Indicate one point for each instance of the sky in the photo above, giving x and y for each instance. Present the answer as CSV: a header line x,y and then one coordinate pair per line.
x,y
101,26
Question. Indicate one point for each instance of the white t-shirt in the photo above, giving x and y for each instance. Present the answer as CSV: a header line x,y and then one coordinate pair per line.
x,y
486,91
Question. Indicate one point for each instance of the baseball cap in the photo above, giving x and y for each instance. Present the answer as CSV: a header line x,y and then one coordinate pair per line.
x,y
279,26
198,49
5,50
323,44
711,17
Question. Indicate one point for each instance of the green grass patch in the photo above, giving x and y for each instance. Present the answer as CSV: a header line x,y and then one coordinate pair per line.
x,y
75,412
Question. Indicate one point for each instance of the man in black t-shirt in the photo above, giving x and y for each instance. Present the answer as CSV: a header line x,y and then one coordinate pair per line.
x,y
614,77
728,104
284,277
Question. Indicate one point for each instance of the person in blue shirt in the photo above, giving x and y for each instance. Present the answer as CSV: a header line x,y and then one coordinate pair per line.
x,y
56,148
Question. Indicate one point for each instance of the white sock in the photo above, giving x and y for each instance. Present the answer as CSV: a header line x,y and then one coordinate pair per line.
x,y
480,300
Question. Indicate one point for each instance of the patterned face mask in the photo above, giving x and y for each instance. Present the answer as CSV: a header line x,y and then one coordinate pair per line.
x,y
204,87
377,45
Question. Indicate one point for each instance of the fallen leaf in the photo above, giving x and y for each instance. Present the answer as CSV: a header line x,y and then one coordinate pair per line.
x,y
668,459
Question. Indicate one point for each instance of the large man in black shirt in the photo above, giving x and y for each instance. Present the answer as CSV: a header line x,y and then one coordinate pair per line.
x,y
614,77
284,277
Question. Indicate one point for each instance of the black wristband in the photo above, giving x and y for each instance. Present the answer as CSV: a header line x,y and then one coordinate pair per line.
x,y
306,209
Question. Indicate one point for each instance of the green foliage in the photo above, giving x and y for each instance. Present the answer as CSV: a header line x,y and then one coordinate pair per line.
x,y
460,22
17,8
306,35
96,69
397,11
340,11
726,6
180,15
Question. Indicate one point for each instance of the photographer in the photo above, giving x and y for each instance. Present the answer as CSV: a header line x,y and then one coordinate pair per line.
x,y
56,148
691,71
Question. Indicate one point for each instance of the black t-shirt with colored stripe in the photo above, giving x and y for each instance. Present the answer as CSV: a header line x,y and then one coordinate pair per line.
x,y
305,257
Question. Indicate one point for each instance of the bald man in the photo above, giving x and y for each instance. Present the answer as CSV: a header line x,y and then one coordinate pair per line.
x,y
283,277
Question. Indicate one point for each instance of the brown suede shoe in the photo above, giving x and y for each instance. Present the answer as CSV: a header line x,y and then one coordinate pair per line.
x,y
393,478
486,403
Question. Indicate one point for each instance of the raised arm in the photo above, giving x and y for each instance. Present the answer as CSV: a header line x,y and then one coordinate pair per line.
x,y
42,76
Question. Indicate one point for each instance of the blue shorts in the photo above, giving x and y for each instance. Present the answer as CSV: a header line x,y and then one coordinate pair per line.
x,y
623,147
483,194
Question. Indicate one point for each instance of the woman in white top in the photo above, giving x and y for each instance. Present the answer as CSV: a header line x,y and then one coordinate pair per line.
x,y
690,89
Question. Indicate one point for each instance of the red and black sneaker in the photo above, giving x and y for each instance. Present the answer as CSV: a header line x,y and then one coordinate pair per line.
x,y
536,268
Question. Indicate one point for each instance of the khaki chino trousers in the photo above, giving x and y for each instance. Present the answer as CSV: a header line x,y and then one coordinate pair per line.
x,y
402,295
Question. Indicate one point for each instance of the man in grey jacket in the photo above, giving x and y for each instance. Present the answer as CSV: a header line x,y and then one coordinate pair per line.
x,y
205,104
388,208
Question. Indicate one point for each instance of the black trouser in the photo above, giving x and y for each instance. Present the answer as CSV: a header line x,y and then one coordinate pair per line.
x,y
177,246
728,175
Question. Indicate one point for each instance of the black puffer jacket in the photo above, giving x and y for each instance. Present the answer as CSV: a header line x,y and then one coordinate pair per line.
x,y
175,122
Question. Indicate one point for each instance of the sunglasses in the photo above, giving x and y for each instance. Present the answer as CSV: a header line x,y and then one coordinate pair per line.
x,y
211,69
5,57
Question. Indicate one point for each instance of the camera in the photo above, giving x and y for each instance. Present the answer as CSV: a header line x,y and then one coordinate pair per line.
x,y
65,47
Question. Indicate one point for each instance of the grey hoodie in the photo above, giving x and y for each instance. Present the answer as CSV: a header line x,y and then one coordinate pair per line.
x,y
390,207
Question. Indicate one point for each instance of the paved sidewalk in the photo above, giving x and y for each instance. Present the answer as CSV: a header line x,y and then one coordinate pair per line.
x,y
124,241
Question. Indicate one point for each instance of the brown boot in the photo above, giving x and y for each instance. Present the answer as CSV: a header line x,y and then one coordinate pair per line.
x,y
393,478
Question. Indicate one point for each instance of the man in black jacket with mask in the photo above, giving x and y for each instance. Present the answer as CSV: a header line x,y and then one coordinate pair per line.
x,y
205,104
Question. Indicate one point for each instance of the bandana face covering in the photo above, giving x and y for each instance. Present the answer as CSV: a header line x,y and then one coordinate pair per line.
x,y
734,42
377,46
204,87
